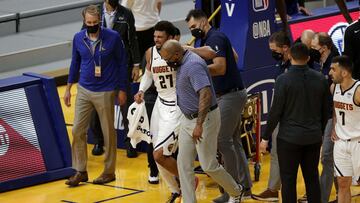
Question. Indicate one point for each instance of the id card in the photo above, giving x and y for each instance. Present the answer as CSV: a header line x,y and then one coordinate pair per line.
x,y
97,71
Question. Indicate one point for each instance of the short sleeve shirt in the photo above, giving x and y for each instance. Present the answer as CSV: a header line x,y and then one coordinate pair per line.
x,y
222,46
192,76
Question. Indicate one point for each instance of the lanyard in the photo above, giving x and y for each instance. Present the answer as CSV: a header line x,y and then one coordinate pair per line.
x,y
92,51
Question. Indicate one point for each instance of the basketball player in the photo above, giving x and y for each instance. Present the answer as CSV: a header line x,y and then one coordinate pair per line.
x,y
346,133
164,124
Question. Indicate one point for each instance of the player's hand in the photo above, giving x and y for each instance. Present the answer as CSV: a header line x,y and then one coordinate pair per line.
x,y
334,137
263,146
139,97
67,98
135,73
122,98
197,132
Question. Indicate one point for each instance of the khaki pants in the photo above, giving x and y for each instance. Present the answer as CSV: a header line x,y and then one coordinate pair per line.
x,y
206,151
103,102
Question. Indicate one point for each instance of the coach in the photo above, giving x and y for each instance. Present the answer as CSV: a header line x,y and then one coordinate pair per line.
x,y
302,122
200,122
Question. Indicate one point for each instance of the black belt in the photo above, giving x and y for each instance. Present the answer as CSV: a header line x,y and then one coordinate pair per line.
x,y
221,93
195,115
167,103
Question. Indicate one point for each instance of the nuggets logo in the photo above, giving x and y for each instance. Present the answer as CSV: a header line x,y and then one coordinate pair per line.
x,y
260,5
336,33
4,141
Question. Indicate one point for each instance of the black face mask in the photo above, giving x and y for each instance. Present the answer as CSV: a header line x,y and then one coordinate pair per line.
x,y
197,33
315,55
92,29
174,64
277,56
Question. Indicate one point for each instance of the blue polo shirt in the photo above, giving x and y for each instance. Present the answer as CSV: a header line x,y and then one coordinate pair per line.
x,y
109,53
191,77
222,46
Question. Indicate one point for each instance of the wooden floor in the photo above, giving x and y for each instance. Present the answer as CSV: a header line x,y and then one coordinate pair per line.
x,y
131,185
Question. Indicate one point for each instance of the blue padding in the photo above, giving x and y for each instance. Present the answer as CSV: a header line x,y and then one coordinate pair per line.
x,y
248,25
17,82
44,127
36,179
57,116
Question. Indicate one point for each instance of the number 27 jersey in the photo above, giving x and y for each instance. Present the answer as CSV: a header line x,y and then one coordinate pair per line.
x,y
164,76
347,112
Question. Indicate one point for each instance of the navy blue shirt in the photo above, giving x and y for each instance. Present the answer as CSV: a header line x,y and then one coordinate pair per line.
x,y
222,46
281,67
191,77
109,53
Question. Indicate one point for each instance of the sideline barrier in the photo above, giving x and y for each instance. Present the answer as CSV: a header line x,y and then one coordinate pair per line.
x,y
34,144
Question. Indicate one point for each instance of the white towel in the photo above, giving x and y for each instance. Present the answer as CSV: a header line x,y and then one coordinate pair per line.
x,y
138,124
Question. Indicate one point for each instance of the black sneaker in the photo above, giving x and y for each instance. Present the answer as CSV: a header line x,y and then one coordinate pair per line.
x,y
173,197
131,153
97,150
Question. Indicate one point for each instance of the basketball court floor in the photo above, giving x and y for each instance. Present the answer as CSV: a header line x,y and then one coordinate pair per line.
x,y
131,185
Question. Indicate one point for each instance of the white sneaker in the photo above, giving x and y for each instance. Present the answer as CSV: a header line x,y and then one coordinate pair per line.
x,y
153,180
236,199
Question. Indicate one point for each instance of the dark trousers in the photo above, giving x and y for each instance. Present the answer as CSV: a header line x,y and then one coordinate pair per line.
x,y
145,39
290,157
150,98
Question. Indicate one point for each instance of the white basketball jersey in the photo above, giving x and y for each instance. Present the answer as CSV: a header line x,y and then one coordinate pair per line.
x,y
164,77
347,113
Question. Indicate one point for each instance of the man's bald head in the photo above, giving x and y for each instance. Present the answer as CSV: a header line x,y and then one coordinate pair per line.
x,y
172,46
307,36
171,50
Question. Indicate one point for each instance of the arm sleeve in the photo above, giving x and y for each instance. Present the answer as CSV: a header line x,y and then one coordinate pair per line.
x,y
146,81
326,105
134,46
218,45
121,58
75,64
276,108
348,46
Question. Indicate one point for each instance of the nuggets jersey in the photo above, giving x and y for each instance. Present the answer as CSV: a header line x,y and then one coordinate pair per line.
x,y
347,113
164,76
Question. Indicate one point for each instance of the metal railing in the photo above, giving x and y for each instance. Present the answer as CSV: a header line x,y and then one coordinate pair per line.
x,y
17,17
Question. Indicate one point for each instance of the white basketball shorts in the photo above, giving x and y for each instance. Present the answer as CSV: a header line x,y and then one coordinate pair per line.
x,y
164,126
347,158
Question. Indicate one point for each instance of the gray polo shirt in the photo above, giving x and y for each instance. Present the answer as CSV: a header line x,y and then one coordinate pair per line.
x,y
192,76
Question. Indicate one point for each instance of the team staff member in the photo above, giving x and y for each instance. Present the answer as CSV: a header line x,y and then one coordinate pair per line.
x,y
279,44
346,132
326,51
200,122
230,93
352,47
120,19
302,121
99,58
